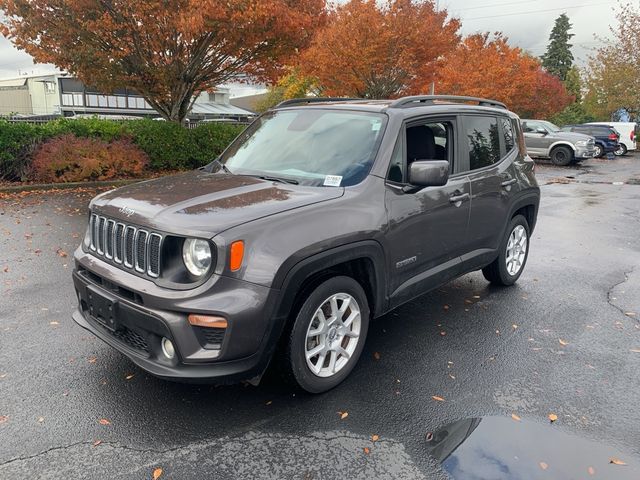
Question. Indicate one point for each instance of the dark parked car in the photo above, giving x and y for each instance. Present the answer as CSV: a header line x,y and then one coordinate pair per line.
x,y
606,137
320,216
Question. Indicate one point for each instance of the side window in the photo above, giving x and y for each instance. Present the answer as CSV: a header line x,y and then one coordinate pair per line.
x,y
508,133
396,167
483,140
528,127
424,141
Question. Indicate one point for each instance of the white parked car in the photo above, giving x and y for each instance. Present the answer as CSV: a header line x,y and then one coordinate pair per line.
x,y
627,132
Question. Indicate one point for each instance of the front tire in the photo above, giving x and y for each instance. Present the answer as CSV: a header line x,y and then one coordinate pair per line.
x,y
514,251
561,156
328,335
598,152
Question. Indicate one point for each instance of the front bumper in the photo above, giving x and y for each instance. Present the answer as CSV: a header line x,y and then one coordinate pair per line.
x,y
585,152
239,352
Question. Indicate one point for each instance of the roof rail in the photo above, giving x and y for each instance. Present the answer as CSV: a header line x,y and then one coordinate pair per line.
x,y
302,101
417,100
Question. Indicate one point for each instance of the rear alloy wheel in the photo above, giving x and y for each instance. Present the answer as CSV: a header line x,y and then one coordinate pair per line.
x,y
621,150
328,335
514,251
598,151
561,156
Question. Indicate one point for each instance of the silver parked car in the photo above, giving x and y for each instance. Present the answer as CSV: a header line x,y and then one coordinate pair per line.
x,y
546,140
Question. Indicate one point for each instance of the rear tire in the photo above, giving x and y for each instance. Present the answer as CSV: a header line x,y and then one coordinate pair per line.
x,y
622,150
598,151
335,330
561,156
514,251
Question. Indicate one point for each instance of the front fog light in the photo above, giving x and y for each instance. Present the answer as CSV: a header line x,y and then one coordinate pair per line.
x,y
196,254
167,348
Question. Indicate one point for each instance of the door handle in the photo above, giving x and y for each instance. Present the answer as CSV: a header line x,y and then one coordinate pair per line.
x,y
506,183
458,199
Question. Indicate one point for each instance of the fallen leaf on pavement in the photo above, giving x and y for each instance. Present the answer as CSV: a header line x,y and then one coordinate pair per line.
x,y
92,359
375,438
616,461
97,442
562,342
54,323
61,253
269,402
3,418
630,314
437,398
443,333
343,415
452,377
591,471
446,307
376,355
104,421
366,450
40,419
635,350
515,417
543,465
553,417
156,473
429,436
129,377
5,269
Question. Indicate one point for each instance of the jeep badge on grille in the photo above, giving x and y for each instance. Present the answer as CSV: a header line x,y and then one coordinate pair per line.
x,y
126,211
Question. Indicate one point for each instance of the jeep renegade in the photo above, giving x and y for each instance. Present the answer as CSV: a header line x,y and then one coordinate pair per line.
x,y
322,215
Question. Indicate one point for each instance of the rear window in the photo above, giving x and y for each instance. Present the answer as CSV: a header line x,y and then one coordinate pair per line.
x,y
483,140
508,133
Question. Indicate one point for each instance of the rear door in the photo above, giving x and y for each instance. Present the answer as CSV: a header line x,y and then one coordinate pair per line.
x,y
490,152
427,227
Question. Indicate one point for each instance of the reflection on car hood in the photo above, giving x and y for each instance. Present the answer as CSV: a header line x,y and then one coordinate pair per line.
x,y
571,136
205,203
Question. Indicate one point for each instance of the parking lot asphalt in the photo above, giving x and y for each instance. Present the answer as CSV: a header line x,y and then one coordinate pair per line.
x,y
565,340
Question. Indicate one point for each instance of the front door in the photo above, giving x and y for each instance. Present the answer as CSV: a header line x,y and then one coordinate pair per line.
x,y
427,227
535,136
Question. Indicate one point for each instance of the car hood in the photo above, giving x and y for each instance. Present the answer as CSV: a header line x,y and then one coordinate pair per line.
x,y
200,203
571,136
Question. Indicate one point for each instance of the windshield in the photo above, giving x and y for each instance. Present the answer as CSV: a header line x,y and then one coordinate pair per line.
x,y
550,126
309,146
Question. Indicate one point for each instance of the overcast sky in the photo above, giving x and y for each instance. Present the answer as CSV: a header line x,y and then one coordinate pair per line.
x,y
527,23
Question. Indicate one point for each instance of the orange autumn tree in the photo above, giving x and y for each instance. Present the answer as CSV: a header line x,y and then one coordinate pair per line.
x,y
167,50
375,49
490,68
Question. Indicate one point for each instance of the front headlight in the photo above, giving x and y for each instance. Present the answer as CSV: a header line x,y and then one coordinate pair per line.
x,y
196,254
581,143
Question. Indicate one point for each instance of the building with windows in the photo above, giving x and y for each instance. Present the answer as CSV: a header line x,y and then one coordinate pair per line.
x,y
59,94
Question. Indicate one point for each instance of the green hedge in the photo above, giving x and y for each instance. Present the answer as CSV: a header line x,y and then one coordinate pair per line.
x,y
169,146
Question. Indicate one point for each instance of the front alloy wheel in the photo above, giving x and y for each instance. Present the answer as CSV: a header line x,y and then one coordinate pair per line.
x,y
332,336
598,152
327,336
516,250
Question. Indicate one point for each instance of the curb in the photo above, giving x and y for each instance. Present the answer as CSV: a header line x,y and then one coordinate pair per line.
x,y
70,185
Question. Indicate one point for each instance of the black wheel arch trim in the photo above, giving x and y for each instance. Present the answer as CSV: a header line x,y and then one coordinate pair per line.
x,y
529,198
293,272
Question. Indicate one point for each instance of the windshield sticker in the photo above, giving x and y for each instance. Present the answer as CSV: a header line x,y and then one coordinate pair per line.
x,y
332,180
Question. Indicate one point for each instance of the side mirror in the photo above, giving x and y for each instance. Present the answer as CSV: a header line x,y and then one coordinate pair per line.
x,y
541,131
429,173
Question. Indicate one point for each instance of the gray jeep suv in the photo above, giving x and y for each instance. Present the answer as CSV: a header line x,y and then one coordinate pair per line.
x,y
322,215
546,140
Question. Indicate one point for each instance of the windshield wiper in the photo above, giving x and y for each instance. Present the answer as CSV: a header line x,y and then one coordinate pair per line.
x,y
221,166
277,179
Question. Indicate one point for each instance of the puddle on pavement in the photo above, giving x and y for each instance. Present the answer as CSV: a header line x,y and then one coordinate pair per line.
x,y
497,448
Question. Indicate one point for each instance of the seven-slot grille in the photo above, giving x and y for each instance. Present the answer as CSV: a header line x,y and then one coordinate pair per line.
x,y
126,245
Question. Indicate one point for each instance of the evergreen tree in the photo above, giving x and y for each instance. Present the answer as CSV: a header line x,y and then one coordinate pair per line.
x,y
558,58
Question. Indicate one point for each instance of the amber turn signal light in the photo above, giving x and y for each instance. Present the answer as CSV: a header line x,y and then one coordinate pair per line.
x,y
209,321
236,254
